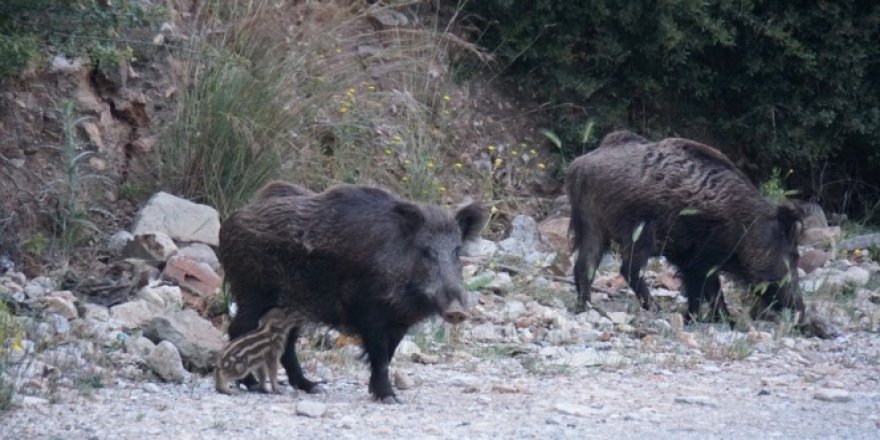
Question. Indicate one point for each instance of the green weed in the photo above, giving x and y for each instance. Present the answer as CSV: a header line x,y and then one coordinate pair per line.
x,y
69,213
11,335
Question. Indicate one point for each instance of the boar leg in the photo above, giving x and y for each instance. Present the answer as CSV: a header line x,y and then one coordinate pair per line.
x,y
703,285
713,295
634,256
272,370
291,365
395,335
372,326
694,281
262,372
247,320
590,251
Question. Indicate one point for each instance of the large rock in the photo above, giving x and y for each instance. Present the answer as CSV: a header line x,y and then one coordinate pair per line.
x,y
196,339
140,346
479,248
181,219
60,305
856,276
39,287
554,231
134,314
202,253
525,243
310,408
812,259
165,361
860,242
821,237
815,217
484,332
151,246
195,276
166,297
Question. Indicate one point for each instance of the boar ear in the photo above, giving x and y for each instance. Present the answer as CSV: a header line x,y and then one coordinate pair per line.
x,y
471,220
790,216
411,218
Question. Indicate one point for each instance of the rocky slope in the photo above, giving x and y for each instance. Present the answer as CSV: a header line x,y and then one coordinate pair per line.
x,y
126,356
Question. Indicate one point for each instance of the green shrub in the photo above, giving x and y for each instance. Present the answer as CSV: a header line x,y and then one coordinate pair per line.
x,y
30,29
774,84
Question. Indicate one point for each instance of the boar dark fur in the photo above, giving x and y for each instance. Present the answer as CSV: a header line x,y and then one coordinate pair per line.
x,y
356,258
688,202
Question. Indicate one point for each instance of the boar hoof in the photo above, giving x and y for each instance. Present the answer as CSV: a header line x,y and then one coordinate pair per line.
x,y
390,400
315,388
230,391
256,387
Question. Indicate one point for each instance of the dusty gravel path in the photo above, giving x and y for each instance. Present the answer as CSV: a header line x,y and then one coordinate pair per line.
x,y
771,395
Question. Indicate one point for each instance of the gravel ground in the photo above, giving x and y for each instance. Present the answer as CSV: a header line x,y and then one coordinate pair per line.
x,y
804,388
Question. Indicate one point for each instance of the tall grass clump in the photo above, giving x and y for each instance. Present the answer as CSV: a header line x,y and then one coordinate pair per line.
x,y
11,334
319,99
70,213
230,135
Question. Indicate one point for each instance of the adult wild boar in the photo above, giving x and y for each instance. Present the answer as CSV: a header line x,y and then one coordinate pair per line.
x,y
688,202
353,257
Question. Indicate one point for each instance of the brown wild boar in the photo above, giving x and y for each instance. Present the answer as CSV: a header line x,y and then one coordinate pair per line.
x,y
257,352
353,257
688,202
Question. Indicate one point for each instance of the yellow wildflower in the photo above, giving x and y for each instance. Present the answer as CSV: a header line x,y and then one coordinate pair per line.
x,y
458,165
498,162
430,164
446,97
442,189
541,165
490,147
533,152
388,151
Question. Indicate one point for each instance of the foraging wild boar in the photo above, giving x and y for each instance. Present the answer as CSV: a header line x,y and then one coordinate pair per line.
x,y
352,257
257,352
688,202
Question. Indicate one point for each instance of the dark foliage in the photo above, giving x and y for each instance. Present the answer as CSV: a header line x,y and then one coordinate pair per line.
x,y
790,85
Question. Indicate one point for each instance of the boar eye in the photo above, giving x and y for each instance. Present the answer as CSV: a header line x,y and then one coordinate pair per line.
x,y
429,253
457,251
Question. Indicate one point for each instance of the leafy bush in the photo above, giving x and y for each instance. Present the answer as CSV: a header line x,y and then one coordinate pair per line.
x,y
774,84
102,30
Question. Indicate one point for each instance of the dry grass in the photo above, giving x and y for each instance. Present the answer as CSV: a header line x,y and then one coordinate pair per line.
x,y
314,93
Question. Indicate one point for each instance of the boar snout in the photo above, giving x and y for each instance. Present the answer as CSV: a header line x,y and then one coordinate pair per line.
x,y
455,313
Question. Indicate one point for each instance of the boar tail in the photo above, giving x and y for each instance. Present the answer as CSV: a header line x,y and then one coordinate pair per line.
x,y
575,190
